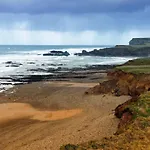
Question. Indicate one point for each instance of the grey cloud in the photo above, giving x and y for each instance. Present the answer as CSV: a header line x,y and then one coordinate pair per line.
x,y
73,23
72,6
40,15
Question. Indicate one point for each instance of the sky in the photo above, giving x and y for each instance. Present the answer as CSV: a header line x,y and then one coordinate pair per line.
x,y
65,22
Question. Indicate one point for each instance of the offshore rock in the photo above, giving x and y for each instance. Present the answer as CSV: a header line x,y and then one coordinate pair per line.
x,y
56,53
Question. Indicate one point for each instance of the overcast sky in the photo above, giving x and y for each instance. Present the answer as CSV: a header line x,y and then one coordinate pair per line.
x,y
101,22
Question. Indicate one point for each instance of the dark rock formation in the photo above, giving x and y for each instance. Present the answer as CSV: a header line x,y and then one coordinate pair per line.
x,y
31,63
118,51
57,53
8,62
53,64
12,64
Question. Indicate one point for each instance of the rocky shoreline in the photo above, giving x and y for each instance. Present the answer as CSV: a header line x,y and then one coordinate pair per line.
x,y
89,73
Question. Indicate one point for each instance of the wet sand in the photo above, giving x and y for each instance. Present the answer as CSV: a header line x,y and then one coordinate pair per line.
x,y
46,115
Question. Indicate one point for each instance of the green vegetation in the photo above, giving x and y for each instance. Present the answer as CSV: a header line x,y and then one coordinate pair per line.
x,y
140,61
141,108
135,69
136,66
71,147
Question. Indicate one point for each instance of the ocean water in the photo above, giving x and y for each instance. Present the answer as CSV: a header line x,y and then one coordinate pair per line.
x,y
24,59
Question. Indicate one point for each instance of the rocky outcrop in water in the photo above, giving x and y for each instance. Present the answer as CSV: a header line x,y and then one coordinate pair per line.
x,y
56,53
12,64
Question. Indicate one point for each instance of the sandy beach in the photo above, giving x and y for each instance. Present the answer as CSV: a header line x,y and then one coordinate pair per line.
x,y
46,115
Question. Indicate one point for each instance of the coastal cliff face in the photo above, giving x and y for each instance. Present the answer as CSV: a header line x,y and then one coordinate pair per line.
x,y
122,83
139,41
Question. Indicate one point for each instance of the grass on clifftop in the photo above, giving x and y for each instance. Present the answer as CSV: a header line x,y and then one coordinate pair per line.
x,y
140,61
141,108
136,66
135,69
134,136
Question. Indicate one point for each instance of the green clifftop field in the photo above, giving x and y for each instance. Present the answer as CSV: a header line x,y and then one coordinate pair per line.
x,y
137,66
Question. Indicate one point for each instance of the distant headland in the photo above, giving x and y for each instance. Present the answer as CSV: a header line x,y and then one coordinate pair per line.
x,y
140,41
138,47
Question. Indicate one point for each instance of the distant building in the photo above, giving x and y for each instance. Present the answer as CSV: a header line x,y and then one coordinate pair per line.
x,y
140,41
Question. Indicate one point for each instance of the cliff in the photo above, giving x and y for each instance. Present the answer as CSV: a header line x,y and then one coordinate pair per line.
x,y
134,127
123,83
139,41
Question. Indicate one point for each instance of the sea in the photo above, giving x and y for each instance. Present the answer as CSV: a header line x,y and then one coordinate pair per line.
x,y
18,60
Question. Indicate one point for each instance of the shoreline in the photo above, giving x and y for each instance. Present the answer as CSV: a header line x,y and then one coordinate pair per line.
x,y
92,73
